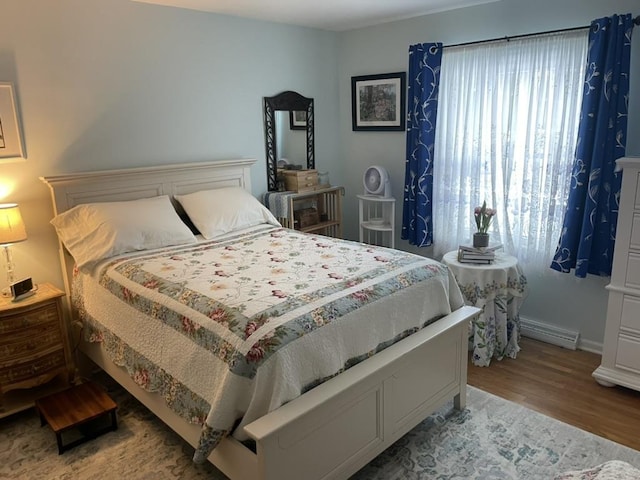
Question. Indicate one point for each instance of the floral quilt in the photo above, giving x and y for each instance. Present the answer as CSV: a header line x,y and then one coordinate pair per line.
x,y
229,330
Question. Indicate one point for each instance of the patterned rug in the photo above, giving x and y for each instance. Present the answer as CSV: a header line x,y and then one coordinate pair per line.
x,y
491,439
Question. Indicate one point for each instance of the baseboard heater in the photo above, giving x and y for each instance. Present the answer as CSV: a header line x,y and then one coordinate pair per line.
x,y
549,333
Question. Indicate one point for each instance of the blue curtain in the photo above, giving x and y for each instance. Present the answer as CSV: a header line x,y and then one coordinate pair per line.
x,y
422,94
589,228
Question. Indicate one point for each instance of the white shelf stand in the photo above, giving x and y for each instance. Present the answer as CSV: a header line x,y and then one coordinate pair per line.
x,y
377,216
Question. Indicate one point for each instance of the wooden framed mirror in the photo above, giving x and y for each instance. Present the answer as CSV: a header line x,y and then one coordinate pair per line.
x,y
299,116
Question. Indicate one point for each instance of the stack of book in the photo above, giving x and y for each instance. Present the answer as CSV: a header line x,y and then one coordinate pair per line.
x,y
480,255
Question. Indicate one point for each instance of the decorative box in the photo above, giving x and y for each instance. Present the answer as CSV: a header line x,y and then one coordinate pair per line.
x,y
306,217
301,180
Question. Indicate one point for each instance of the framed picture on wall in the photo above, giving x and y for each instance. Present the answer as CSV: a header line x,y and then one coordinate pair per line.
x,y
378,102
10,138
297,119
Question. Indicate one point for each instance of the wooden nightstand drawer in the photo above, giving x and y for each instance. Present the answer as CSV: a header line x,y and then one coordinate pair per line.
x,y
20,321
29,343
33,371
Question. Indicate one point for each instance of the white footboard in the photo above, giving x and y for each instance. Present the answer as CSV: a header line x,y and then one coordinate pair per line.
x,y
338,427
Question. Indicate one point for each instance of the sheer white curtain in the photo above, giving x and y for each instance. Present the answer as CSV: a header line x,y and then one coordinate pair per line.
x,y
507,126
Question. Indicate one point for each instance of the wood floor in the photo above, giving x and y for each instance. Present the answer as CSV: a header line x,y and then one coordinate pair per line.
x,y
557,382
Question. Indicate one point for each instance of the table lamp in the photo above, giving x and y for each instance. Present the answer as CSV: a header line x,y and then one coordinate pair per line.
x,y
12,230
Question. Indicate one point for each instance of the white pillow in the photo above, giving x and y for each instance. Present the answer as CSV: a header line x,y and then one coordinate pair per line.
x,y
223,210
95,231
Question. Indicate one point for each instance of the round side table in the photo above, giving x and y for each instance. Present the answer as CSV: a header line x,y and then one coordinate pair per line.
x,y
499,288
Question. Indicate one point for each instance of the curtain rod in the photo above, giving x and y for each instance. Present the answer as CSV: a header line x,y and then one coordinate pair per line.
x,y
525,35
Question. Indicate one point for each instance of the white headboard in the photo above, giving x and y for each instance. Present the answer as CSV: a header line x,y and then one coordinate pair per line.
x,y
69,190
72,189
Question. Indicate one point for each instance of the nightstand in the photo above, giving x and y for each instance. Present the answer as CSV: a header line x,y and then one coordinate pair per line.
x,y
35,358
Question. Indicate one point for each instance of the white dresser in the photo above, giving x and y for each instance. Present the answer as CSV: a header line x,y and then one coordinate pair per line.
x,y
621,351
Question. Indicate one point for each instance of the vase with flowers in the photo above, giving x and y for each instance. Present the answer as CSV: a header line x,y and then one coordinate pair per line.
x,y
483,217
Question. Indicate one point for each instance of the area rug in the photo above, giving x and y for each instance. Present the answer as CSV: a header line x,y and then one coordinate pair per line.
x,y
491,439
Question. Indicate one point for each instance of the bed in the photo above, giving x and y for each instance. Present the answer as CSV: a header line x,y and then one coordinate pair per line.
x,y
345,413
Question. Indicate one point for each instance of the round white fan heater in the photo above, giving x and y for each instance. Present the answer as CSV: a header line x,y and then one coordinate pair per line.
x,y
376,182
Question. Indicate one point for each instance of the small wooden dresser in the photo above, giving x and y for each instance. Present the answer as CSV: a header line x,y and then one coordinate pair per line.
x,y
34,349
621,349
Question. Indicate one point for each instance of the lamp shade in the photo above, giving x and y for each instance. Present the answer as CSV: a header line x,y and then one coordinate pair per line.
x,y
11,225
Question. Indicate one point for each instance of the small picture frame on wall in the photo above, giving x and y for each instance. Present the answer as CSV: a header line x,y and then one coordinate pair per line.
x,y
10,137
378,102
297,119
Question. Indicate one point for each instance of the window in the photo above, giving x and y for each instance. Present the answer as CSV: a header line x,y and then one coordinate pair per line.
x,y
507,125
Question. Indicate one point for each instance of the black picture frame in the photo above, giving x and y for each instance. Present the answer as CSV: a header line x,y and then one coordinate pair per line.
x,y
378,102
297,120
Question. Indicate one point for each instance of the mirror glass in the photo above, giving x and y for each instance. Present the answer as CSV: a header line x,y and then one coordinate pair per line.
x,y
291,143
289,133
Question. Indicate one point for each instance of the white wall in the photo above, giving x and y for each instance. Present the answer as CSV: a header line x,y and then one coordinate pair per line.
x,y
561,299
113,83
